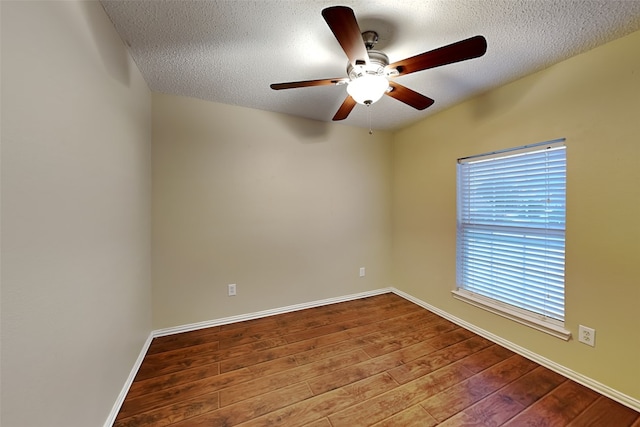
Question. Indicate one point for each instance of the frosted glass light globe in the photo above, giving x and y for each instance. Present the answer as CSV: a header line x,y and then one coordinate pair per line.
x,y
368,88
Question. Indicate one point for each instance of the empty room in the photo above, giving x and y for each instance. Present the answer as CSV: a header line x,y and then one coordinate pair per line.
x,y
309,213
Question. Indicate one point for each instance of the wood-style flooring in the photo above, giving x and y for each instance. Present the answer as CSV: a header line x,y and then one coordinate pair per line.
x,y
377,361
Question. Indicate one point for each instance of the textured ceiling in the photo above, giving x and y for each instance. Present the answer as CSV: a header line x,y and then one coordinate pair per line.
x,y
230,51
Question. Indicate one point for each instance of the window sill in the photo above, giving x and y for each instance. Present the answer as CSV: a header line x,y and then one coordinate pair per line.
x,y
510,313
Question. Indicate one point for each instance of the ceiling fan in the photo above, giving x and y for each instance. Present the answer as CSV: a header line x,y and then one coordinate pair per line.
x,y
370,76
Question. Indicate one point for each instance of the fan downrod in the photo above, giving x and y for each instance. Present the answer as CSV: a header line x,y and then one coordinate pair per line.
x,y
370,39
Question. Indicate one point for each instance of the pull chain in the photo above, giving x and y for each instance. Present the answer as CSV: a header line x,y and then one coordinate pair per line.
x,y
369,111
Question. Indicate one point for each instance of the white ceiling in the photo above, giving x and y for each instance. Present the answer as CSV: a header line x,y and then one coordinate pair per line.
x,y
230,51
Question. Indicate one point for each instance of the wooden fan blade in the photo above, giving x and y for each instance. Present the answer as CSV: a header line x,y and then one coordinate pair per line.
x,y
342,21
308,83
409,97
455,52
345,108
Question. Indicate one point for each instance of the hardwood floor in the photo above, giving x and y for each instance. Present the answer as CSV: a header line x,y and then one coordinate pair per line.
x,y
378,361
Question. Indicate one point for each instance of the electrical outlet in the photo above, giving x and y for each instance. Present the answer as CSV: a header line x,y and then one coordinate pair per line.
x,y
361,271
587,335
232,290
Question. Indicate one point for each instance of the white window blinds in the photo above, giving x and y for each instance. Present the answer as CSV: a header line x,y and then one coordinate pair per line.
x,y
511,228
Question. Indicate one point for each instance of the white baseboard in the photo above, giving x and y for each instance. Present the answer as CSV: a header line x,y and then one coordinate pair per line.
x,y
575,376
562,370
123,393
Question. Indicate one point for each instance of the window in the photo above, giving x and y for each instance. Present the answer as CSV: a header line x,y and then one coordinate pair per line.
x,y
511,234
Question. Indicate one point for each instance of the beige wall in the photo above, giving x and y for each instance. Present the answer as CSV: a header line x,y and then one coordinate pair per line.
x,y
594,101
76,176
287,209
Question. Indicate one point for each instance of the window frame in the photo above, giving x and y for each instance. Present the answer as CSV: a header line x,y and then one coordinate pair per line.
x,y
532,319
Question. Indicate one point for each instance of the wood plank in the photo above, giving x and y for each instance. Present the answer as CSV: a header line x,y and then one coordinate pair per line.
x,y
312,318
508,401
557,408
438,342
361,370
157,383
354,373
431,361
274,366
410,394
415,416
491,411
306,347
349,321
250,408
605,412
324,315
249,337
317,407
156,368
409,335
462,395
273,382
175,355
323,422
400,398
261,323
359,337
266,355
533,385
182,340
157,399
486,357
170,414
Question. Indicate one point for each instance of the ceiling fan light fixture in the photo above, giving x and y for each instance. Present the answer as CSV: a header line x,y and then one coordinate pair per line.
x,y
368,88
369,71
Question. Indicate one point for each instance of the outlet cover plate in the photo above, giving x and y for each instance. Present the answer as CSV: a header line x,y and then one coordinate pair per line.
x,y
232,290
587,335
